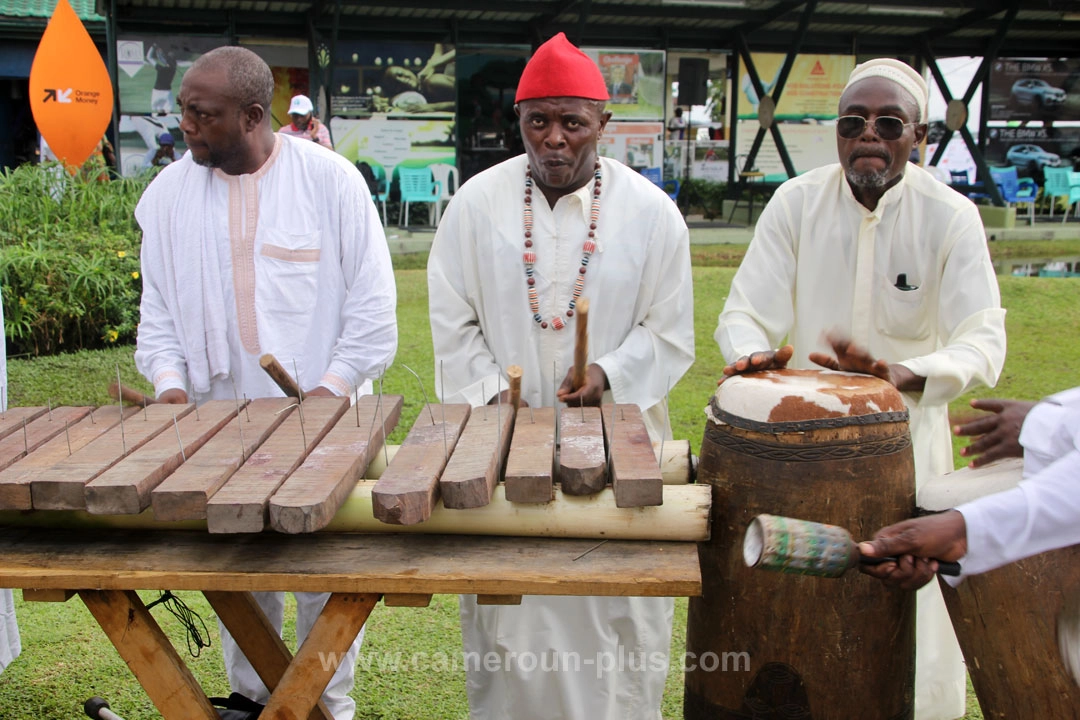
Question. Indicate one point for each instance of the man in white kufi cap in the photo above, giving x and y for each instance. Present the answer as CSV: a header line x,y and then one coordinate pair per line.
x,y
871,265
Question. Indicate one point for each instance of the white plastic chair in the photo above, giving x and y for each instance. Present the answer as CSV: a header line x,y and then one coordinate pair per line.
x,y
442,172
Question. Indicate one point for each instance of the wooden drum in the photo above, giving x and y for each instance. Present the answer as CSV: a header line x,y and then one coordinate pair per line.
x,y
1017,625
823,446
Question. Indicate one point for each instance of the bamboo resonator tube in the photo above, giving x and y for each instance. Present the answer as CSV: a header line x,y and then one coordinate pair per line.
x,y
277,373
581,342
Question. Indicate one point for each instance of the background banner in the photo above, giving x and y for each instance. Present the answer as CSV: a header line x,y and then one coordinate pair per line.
x,y
635,81
393,78
1033,89
812,90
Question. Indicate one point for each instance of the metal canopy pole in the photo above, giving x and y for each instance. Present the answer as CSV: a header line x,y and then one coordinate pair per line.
x,y
980,78
111,59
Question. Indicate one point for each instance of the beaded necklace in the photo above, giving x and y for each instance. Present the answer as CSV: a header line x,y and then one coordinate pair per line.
x,y
529,256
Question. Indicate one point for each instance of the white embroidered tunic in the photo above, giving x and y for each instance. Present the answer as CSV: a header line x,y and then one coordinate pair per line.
x,y
289,260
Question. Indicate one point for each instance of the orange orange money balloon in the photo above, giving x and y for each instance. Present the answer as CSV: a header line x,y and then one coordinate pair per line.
x,y
70,91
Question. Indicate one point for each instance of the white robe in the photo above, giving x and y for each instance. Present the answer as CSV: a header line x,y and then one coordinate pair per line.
x,y
1043,512
821,261
641,332
289,260
10,642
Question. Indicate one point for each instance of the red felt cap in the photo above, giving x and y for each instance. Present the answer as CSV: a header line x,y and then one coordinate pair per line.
x,y
558,69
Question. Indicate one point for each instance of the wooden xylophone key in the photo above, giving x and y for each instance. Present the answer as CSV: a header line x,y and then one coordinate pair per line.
x,y
63,486
124,489
11,420
241,505
309,498
473,471
39,431
582,464
183,495
530,466
635,473
15,481
409,488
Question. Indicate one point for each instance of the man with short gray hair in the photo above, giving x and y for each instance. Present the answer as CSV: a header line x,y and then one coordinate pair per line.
x,y
871,265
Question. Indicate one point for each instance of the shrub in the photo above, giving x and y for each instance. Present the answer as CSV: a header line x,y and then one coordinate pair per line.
x,y
69,264
705,194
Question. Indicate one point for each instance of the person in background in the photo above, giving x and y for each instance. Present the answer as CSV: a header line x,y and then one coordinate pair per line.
x,y
164,63
869,265
101,164
165,153
240,259
10,641
304,124
507,268
677,125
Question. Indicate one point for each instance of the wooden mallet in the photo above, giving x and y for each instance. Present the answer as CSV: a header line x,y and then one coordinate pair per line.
x,y
514,373
277,373
581,343
130,396
802,547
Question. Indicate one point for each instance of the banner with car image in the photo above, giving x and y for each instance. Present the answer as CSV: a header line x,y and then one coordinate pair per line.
x,y
1033,149
1035,89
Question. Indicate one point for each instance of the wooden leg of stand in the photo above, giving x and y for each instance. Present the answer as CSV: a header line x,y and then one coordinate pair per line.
x,y
309,673
149,654
256,638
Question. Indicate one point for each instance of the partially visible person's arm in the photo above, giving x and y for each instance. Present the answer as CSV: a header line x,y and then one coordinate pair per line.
x,y
369,336
159,354
322,134
466,367
758,313
1041,514
659,348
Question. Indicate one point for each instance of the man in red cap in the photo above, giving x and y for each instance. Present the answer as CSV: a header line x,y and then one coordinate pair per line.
x,y
519,246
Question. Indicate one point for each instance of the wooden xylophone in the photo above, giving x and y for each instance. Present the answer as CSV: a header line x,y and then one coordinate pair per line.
x,y
298,467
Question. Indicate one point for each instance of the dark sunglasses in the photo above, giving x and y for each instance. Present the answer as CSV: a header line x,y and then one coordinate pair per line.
x,y
887,128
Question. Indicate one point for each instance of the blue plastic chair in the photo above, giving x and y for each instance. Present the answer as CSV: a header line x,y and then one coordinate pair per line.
x,y
1062,183
656,177
417,185
1015,189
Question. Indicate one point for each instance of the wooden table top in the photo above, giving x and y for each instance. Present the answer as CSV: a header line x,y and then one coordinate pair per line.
x,y
342,562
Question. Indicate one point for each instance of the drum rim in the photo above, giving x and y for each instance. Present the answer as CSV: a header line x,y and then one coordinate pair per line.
x,y
805,425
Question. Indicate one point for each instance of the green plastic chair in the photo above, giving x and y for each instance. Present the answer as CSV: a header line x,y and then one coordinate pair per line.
x,y
417,185
1062,183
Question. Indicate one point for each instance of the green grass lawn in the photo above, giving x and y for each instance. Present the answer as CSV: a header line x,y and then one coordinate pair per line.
x,y
67,659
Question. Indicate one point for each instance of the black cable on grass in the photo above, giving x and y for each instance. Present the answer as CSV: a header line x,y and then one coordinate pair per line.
x,y
195,628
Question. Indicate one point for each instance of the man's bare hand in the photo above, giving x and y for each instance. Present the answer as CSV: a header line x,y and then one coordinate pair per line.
x,y
756,362
998,433
174,396
319,391
850,357
590,394
914,543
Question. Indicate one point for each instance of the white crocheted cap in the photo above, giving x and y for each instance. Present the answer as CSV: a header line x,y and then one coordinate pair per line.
x,y
900,73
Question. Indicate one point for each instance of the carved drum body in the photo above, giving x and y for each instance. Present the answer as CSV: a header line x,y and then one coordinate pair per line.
x,y
1019,625
827,447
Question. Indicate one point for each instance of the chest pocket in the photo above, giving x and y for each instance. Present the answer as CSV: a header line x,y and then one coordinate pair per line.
x,y
902,314
287,272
